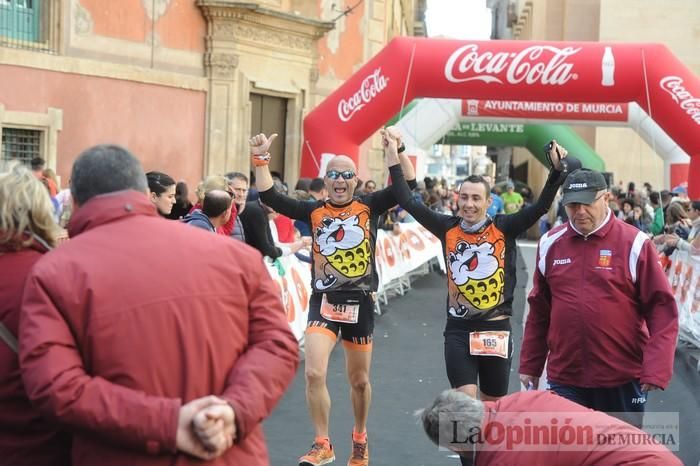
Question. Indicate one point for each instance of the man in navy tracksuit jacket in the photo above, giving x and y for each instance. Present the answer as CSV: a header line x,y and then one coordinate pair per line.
x,y
601,307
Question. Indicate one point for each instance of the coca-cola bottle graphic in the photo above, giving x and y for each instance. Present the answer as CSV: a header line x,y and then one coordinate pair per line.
x,y
608,68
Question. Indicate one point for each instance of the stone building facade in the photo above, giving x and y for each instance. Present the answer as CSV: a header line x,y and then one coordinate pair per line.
x,y
183,84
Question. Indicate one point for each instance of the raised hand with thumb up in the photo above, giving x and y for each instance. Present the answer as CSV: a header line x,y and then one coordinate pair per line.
x,y
259,148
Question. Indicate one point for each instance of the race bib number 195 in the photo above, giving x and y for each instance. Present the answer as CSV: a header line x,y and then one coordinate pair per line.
x,y
491,343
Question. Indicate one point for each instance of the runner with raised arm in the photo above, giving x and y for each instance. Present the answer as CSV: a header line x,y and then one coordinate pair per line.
x,y
344,230
480,255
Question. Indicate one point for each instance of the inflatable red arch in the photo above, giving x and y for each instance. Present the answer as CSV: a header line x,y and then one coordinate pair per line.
x,y
407,68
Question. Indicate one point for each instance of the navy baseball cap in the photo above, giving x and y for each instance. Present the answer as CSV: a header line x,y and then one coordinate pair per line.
x,y
582,185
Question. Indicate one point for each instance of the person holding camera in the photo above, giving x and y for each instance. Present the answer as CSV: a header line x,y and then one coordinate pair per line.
x,y
480,254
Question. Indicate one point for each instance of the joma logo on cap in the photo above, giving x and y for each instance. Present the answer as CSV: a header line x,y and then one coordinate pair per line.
x,y
578,185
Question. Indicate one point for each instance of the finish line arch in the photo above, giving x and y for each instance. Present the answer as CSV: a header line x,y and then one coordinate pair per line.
x,y
406,68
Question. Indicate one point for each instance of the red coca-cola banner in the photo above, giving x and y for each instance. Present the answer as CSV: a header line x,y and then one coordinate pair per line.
x,y
572,111
581,72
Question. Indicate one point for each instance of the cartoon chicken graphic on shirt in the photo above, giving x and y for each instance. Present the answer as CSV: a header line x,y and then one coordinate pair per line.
x,y
479,278
346,248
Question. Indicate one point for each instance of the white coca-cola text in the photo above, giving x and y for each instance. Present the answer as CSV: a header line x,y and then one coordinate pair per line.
x,y
689,103
542,64
371,86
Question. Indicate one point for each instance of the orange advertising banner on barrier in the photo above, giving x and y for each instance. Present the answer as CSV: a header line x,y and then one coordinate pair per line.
x,y
395,256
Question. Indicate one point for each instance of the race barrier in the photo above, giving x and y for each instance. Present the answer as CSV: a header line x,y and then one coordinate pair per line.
x,y
396,256
684,276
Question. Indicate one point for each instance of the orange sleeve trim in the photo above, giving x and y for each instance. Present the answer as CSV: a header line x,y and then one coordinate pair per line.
x,y
356,346
329,333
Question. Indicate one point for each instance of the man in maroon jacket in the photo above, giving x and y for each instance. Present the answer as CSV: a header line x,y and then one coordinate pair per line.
x,y
601,310
148,356
540,428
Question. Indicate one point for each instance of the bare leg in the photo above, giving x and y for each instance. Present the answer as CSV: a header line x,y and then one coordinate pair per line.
x,y
358,363
318,350
469,389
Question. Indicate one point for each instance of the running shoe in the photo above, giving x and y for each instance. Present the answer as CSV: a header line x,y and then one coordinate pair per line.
x,y
320,453
360,454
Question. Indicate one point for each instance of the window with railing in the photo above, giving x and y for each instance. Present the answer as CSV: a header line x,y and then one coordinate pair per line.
x,y
21,144
29,24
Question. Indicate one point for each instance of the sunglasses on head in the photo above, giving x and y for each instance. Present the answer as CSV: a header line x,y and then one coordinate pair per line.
x,y
335,174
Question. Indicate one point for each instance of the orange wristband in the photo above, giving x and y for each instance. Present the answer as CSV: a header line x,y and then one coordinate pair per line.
x,y
260,160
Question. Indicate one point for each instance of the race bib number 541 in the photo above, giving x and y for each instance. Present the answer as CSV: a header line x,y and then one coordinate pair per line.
x,y
491,343
343,313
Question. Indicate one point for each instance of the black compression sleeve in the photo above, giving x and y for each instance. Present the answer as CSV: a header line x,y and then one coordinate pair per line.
x,y
257,230
285,205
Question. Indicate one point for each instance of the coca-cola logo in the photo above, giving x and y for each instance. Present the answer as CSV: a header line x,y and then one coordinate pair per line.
x,y
371,86
691,104
542,64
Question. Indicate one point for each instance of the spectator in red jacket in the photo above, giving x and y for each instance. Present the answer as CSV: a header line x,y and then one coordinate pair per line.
x,y
27,231
608,350
130,346
539,428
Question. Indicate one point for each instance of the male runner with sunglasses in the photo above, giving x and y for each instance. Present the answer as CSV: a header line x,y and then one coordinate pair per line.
x,y
480,255
344,230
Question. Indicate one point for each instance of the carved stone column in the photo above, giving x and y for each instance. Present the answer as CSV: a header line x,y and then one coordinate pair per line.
x,y
251,48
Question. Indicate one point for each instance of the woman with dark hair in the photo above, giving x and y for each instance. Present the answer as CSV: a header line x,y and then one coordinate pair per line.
x,y
182,204
677,220
162,193
627,207
690,244
27,231
677,227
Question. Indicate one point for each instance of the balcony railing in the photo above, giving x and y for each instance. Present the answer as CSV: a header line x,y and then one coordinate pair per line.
x,y
29,24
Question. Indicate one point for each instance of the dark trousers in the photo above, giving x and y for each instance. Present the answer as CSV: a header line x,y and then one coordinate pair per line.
x,y
625,402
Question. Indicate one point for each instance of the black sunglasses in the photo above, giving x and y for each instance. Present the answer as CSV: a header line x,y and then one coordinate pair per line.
x,y
335,174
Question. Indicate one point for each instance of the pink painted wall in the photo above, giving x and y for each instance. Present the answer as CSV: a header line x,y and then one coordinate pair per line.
x,y
182,25
162,126
350,55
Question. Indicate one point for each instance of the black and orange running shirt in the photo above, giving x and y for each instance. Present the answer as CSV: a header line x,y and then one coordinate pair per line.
x,y
480,264
343,236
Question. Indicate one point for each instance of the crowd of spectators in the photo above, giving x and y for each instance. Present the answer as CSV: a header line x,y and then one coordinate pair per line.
x,y
667,216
